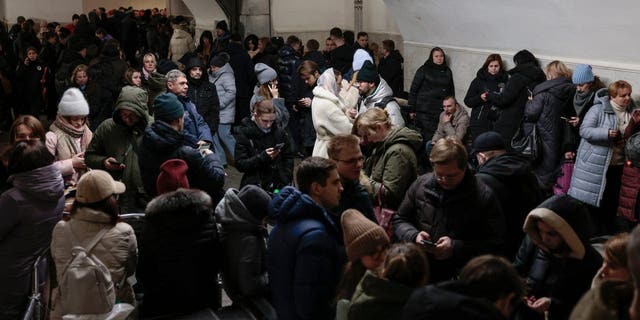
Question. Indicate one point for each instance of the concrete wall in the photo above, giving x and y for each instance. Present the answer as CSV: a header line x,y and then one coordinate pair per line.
x,y
574,32
60,10
89,5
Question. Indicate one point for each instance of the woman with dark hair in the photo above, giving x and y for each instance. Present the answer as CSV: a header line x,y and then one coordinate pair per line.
x,y
205,47
251,45
29,212
431,84
94,218
491,77
519,89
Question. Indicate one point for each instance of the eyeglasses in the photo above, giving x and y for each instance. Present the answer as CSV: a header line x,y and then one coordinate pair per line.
x,y
353,160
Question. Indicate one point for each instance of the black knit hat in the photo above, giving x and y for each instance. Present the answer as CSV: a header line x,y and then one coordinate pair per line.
x,y
219,60
368,73
255,200
488,141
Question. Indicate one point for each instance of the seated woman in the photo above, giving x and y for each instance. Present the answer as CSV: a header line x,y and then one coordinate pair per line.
x,y
392,165
30,210
612,290
556,258
383,295
263,150
95,225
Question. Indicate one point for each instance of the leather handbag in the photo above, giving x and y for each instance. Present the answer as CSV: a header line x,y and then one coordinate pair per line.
x,y
527,145
383,215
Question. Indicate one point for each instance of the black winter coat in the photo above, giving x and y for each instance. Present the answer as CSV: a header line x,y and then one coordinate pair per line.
x,y
160,143
179,254
448,300
390,69
204,95
511,101
30,88
242,70
470,215
288,63
543,112
571,135
430,85
252,159
242,236
566,274
510,177
341,58
482,117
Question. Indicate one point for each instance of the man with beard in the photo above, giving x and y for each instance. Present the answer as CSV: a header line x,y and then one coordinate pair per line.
x,y
375,92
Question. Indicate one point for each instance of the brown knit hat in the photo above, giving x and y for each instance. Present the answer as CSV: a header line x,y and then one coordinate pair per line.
x,y
361,235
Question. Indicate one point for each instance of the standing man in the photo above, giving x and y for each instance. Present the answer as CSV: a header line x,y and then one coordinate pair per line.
x,y
114,146
344,149
196,130
390,67
510,177
449,212
203,93
374,92
342,55
222,76
305,257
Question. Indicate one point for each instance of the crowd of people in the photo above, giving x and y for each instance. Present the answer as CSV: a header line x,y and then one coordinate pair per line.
x,y
404,205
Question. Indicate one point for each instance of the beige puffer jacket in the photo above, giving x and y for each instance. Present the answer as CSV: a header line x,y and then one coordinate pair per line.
x,y
117,250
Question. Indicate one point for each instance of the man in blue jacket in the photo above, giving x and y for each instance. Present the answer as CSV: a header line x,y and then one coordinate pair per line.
x,y
196,130
305,258
165,139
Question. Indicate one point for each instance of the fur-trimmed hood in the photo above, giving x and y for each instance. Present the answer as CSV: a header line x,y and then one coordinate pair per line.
x,y
565,215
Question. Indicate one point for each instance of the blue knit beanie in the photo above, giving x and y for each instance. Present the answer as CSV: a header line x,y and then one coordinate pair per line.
x,y
167,107
582,74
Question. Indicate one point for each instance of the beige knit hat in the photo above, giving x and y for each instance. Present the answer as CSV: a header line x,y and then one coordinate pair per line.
x,y
361,235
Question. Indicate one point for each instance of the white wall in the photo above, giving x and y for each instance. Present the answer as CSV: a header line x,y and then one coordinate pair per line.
x,y
586,31
60,10
290,16
89,5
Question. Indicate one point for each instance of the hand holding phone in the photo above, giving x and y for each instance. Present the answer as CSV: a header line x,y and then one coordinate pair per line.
x,y
428,243
279,146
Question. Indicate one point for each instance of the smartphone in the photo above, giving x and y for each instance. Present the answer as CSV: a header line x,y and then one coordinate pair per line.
x,y
114,162
428,243
204,146
564,118
279,146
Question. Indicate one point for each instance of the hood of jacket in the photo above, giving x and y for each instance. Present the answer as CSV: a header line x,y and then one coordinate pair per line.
x,y
135,100
602,97
567,217
231,211
403,135
250,129
506,166
530,71
286,51
320,92
224,69
449,300
44,183
183,209
382,91
562,88
179,33
291,204
161,137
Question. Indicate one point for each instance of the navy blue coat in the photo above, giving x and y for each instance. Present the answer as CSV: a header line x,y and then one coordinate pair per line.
x,y
195,127
304,257
160,143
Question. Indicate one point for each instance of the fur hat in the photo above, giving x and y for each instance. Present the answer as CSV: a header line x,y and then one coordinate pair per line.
x,y
167,107
359,57
97,185
264,73
255,200
361,235
582,73
73,103
567,216
173,175
368,73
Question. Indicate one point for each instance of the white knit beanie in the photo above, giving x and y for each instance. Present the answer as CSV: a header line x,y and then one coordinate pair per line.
x,y
73,103
359,57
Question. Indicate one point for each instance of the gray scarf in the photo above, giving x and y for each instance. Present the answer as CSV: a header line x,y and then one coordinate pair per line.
x,y
580,100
